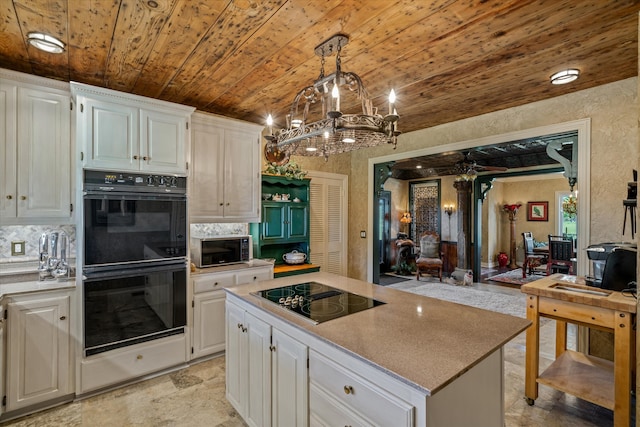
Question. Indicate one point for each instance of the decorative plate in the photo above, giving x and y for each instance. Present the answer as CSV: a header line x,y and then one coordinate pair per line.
x,y
273,154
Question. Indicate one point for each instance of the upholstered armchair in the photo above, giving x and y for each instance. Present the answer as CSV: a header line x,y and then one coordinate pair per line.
x,y
430,259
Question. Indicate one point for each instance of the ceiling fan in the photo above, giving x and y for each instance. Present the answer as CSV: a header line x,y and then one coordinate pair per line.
x,y
469,167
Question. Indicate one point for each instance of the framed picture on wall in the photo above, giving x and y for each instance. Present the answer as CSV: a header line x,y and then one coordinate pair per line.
x,y
537,211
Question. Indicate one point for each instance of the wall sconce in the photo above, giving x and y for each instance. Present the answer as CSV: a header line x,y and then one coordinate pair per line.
x,y
406,220
448,209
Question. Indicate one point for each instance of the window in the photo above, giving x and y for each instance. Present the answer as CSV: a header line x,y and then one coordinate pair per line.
x,y
567,223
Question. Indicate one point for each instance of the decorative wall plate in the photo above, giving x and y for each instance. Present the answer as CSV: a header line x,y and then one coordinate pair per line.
x,y
273,154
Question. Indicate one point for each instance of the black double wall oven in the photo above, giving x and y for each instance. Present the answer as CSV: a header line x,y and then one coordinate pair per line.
x,y
135,259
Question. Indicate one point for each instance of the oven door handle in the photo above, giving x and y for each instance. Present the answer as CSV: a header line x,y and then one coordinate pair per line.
x,y
121,271
116,195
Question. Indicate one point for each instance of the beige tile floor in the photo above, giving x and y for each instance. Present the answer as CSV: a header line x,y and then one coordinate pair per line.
x,y
194,396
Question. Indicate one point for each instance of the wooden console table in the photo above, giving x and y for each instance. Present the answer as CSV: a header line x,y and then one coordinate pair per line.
x,y
605,383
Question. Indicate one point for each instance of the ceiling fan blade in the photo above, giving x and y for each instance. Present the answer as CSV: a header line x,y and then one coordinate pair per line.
x,y
493,168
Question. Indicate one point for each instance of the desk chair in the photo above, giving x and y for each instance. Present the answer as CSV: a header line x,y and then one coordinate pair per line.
x,y
430,259
560,254
531,259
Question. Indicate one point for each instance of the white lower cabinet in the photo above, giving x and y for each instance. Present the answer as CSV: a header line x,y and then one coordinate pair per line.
x,y
289,380
340,396
39,357
208,306
208,321
2,358
266,372
128,363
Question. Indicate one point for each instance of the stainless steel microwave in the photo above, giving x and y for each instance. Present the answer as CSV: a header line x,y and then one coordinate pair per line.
x,y
220,250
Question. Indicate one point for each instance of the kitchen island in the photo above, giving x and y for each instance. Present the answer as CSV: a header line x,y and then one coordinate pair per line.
x,y
412,361
566,299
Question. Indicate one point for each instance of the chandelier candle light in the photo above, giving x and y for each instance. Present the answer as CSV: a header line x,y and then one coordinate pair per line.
x,y
512,210
331,131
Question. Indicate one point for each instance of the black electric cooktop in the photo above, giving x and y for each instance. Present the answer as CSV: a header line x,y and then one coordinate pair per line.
x,y
318,302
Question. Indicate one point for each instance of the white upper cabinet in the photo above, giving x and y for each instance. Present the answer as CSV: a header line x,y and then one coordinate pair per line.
x,y
119,131
35,154
225,170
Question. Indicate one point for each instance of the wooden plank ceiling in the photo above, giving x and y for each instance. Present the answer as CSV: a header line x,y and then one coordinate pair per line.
x,y
446,59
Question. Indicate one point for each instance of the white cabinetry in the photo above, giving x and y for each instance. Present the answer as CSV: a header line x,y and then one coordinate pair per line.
x,y
35,150
119,131
2,348
208,306
266,372
225,170
39,358
340,396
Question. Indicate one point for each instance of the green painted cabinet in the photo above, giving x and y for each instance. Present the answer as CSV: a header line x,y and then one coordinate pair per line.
x,y
285,223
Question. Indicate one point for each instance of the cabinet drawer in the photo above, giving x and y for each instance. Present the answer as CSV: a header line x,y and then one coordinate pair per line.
x,y
253,275
108,369
324,411
211,282
358,394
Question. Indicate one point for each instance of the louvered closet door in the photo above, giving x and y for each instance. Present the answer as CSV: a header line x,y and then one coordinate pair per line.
x,y
328,222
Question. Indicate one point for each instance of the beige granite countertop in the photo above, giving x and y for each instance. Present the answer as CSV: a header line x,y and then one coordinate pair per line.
x,y
424,342
35,286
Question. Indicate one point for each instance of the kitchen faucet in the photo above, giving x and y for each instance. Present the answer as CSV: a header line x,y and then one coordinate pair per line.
x,y
51,266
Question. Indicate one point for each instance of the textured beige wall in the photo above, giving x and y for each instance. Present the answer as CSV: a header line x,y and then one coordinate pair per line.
x,y
614,153
523,192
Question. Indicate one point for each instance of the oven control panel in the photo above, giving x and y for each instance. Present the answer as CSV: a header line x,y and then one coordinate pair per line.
x,y
126,181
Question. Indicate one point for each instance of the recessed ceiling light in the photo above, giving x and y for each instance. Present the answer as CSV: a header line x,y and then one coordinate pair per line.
x,y
565,76
45,42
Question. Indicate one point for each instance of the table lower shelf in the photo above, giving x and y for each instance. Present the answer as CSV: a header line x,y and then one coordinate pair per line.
x,y
587,377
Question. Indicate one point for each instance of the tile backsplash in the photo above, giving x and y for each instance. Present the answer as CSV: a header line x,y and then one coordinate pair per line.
x,y
30,234
218,229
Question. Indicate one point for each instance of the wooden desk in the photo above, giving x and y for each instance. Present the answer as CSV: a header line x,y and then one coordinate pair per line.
x,y
596,380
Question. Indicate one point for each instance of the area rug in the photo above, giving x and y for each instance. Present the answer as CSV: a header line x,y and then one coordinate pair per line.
x,y
390,279
514,277
508,300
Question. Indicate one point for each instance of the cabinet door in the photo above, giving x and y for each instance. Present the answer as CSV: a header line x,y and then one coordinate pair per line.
x,y
206,180
298,222
111,135
236,359
44,154
162,142
258,413
248,366
289,381
8,150
38,363
208,323
273,221
241,175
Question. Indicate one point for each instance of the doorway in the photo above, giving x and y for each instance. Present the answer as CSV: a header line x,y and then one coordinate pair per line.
x,y
582,127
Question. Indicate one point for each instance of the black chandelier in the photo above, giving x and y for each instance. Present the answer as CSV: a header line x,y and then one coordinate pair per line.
x,y
310,132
